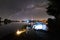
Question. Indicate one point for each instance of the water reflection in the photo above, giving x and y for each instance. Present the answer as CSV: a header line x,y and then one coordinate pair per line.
x,y
7,22
4,23
19,32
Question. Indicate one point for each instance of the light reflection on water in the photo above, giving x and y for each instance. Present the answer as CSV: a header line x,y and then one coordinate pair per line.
x,y
19,32
15,27
6,29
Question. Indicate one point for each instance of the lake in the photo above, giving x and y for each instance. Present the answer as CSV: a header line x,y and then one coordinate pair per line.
x,y
7,29
10,27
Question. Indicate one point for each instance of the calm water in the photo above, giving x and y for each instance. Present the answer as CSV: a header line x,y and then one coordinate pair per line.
x,y
6,29
9,28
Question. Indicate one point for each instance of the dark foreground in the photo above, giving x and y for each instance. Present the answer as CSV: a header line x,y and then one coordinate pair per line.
x,y
10,33
32,35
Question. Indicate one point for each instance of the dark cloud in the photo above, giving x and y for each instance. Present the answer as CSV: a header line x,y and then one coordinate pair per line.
x,y
19,9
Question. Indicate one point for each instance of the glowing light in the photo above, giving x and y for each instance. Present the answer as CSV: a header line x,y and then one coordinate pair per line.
x,y
18,32
40,25
27,21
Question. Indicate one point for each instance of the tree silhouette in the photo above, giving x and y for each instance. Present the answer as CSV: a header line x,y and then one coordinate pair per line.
x,y
54,8
7,21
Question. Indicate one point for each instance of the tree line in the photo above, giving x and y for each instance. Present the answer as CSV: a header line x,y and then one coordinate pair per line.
x,y
53,9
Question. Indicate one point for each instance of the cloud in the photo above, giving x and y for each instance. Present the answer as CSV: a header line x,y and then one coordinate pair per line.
x,y
16,9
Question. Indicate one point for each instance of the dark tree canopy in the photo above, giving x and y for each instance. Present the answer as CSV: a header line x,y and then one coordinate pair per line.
x,y
53,8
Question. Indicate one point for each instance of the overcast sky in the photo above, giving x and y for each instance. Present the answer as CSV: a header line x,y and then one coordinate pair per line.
x,y
23,9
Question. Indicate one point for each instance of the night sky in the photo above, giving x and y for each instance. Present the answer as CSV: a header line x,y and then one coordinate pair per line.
x,y
23,9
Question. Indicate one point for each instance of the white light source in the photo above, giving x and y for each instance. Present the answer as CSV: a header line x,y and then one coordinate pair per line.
x,y
38,26
18,32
